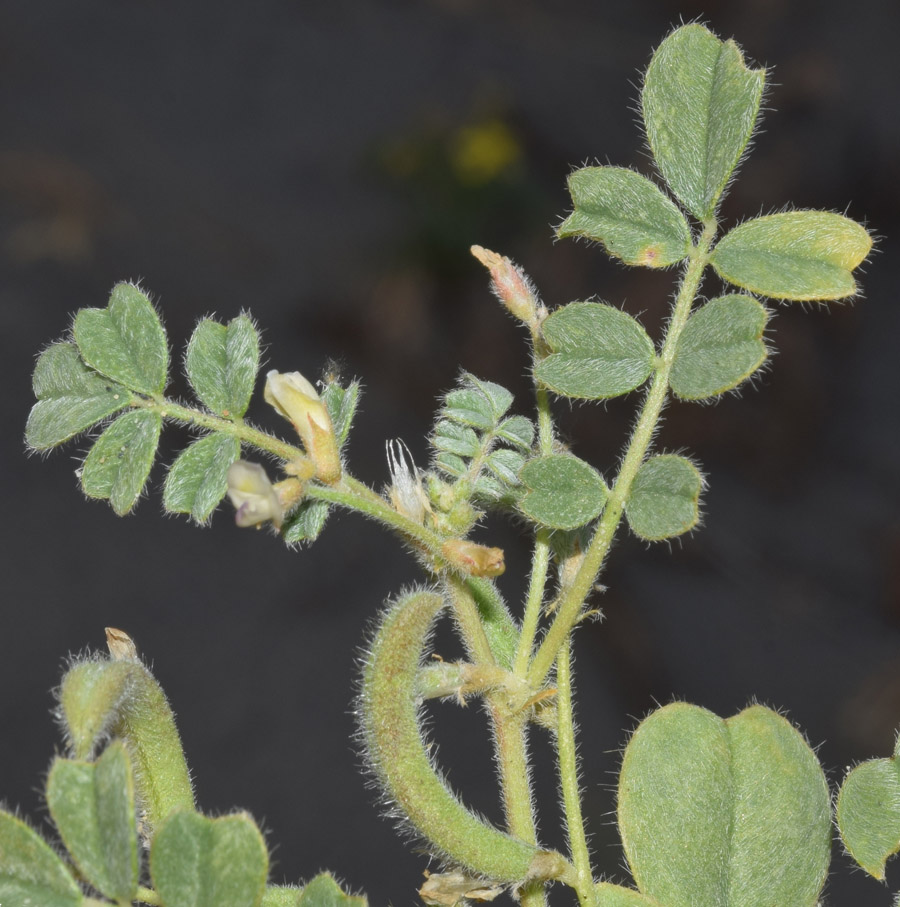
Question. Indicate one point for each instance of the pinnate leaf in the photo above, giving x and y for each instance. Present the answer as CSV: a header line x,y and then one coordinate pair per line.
x,y
700,104
628,214
720,346
201,862
564,492
222,362
120,460
663,499
598,352
30,872
93,807
125,341
71,397
715,812
868,813
798,255
198,479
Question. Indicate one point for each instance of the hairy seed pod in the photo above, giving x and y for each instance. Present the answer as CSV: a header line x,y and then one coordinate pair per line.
x,y
389,714
100,699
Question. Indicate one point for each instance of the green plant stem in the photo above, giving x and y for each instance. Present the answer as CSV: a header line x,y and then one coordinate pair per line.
x,y
572,601
148,896
568,775
468,619
515,778
244,433
541,557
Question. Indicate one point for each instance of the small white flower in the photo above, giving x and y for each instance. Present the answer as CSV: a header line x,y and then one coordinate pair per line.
x,y
406,491
253,496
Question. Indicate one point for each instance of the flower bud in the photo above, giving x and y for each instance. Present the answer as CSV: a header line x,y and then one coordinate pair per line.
x,y
473,559
511,285
253,495
296,399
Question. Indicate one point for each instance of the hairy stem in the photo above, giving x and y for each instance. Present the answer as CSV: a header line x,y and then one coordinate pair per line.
x,y
541,557
245,433
572,601
568,776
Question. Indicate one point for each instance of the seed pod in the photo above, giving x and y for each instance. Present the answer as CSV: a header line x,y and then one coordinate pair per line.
x,y
102,698
389,717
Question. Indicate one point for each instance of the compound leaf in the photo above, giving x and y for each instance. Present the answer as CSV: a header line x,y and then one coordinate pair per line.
x,y
700,104
798,255
598,352
30,872
71,397
198,479
564,492
201,862
720,346
868,813
119,462
663,499
222,362
125,341
92,805
715,812
628,214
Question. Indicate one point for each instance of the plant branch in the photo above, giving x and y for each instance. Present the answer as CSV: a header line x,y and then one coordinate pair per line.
x,y
572,601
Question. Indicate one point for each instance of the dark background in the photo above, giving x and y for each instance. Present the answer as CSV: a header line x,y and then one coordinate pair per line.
x,y
312,162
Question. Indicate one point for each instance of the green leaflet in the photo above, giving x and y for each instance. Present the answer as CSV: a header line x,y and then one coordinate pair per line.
x,y
324,891
597,352
125,341
198,479
222,362
609,895
499,626
71,397
868,813
306,522
563,492
93,807
30,872
721,345
201,862
663,499
341,403
628,214
117,466
700,103
796,255
718,813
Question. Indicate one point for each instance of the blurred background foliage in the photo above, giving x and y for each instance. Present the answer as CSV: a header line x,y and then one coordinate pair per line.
x,y
327,166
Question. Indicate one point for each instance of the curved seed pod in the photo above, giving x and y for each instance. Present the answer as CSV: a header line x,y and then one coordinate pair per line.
x,y
101,698
389,716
